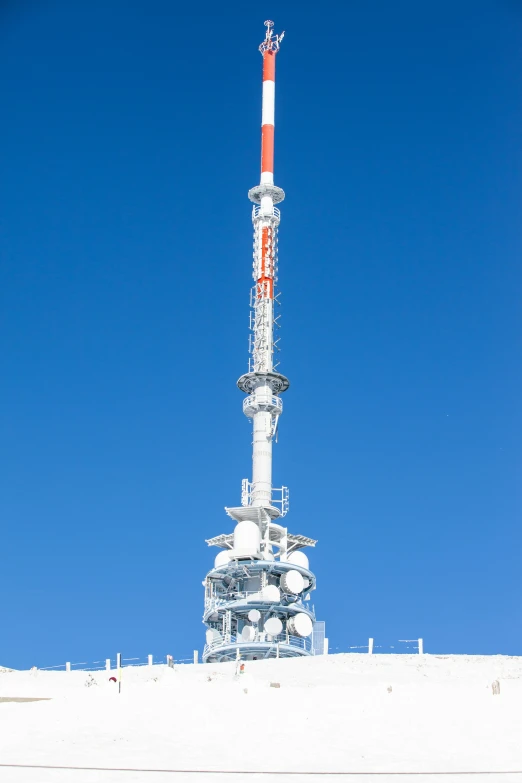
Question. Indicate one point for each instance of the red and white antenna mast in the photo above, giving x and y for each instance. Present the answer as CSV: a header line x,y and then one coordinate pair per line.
x,y
269,49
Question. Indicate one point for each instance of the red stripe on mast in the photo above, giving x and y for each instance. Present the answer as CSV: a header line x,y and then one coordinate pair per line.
x,y
269,65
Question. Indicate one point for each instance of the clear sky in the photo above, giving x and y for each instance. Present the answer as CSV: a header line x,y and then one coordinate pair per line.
x,y
129,139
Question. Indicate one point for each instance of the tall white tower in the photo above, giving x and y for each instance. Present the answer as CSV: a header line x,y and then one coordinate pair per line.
x,y
257,596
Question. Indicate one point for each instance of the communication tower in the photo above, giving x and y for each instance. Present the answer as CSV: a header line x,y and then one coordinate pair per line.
x,y
257,596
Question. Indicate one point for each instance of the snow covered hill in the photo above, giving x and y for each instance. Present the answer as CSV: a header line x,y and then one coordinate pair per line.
x,y
337,713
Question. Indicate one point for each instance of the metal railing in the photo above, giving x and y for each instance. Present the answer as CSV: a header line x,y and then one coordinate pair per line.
x,y
270,404
256,212
244,595
110,664
298,642
415,646
401,646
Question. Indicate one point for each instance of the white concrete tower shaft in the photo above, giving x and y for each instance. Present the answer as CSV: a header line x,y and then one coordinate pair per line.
x,y
263,405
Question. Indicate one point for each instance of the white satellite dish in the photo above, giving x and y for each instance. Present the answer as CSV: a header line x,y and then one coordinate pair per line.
x,y
212,636
222,558
271,594
299,625
292,582
298,558
254,615
273,626
248,633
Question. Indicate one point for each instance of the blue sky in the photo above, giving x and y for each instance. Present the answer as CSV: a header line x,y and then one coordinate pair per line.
x,y
129,140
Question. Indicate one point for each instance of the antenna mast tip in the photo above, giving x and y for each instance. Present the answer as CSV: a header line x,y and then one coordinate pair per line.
x,y
272,42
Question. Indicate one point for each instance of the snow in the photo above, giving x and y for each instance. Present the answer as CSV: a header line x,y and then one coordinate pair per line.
x,y
337,713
